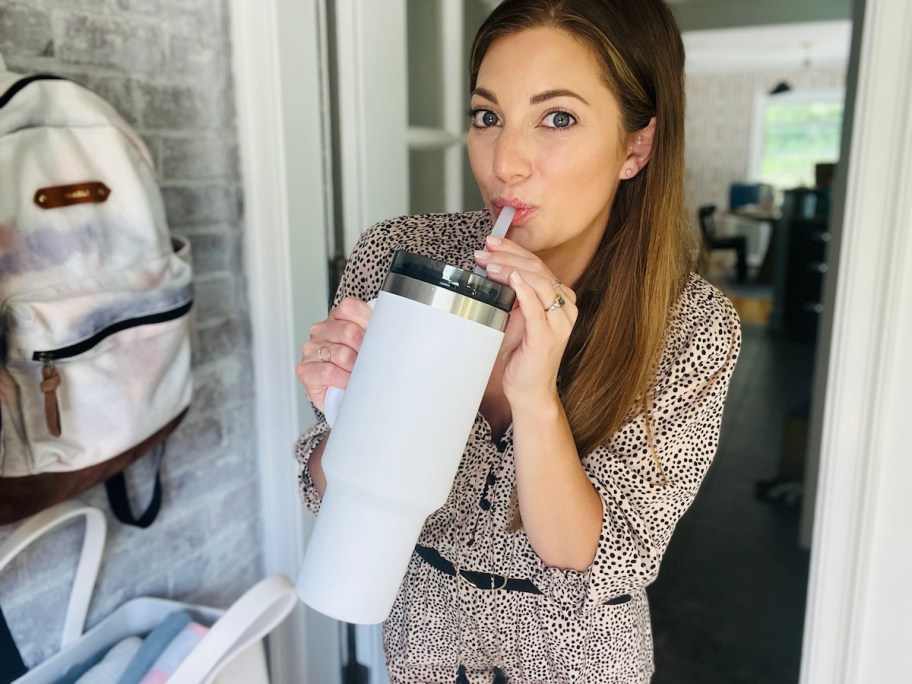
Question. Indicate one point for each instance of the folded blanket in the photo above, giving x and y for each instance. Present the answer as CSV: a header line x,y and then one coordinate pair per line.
x,y
114,664
154,645
174,654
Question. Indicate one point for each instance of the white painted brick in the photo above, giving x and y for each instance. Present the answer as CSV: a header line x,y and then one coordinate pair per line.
x,y
165,66
207,203
24,30
109,42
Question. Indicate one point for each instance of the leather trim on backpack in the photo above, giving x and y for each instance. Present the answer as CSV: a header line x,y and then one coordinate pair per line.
x,y
94,192
21,497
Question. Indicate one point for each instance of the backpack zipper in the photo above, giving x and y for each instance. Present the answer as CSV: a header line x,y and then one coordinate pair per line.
x,y
50,379
87,344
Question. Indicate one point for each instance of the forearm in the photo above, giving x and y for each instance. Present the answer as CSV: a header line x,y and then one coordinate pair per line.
x,y
315,466
560,509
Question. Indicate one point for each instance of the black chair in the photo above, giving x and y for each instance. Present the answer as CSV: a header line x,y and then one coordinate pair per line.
x,y
713,242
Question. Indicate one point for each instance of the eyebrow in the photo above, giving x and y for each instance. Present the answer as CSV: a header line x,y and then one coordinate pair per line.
x,y
535,99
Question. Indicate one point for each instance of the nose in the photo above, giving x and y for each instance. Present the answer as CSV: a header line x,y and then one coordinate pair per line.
x,y
512,160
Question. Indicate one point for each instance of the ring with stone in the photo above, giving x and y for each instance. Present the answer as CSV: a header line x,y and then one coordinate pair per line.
x,y
558,304
320,355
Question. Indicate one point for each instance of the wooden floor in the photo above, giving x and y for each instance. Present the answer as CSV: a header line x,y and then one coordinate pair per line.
x,y
752,310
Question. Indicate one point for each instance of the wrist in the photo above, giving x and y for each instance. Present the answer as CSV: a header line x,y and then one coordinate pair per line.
x,y
536,406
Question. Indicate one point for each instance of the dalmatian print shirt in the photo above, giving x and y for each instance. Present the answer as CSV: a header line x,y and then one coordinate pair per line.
x,y
588,626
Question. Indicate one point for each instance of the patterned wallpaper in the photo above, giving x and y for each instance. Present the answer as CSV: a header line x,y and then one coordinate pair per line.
x,y
720,109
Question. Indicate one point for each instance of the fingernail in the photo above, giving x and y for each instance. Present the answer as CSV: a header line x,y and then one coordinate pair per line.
x,y
494,268
482,254
515,277
493,240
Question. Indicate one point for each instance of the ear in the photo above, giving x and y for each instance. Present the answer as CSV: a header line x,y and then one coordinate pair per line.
x,y
639,150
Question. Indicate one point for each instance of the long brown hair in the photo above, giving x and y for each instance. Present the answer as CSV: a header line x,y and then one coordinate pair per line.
x,y
641,266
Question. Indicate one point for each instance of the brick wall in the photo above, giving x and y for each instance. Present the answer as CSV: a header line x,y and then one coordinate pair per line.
x,y
165,65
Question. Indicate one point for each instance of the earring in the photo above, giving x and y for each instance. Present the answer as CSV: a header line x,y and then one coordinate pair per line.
x,y
628,172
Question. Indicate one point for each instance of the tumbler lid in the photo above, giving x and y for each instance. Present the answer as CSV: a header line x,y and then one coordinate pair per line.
x,y
453,278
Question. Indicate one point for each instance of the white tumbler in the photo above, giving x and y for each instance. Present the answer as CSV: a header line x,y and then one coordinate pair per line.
x,y
400,432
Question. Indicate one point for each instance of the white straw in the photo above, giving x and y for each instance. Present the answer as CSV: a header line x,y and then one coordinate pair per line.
x,y
500,229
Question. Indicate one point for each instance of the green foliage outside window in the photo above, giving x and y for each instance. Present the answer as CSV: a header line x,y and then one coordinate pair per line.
x,y
796,137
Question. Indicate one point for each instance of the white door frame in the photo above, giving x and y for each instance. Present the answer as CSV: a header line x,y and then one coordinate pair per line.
x,y
857,627
276,46
851,627
373,144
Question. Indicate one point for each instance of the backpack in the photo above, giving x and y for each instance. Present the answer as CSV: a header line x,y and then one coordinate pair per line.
x,y
95,299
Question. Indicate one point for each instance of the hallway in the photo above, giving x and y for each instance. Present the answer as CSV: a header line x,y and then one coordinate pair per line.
x,y
728,606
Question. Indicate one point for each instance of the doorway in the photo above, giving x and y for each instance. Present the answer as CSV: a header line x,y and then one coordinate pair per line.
x,y
856,563
729,602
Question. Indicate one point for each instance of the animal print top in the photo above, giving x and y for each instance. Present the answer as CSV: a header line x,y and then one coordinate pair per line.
x,y
588,626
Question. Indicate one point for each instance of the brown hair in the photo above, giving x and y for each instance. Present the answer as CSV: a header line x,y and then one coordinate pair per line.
x,y
642,264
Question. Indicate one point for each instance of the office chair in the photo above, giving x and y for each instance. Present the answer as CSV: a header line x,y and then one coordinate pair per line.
x,y
713,242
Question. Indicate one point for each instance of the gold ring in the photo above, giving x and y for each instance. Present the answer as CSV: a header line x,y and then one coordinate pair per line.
x,y
558,304
324,348
558,285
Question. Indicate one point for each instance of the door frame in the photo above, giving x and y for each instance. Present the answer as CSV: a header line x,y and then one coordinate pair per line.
x,y
278,83
856,622
857,430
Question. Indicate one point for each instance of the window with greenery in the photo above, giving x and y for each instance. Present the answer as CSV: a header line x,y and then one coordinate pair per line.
x,y
799,131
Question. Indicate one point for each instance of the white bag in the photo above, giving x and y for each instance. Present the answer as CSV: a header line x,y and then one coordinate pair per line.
x,y
231,652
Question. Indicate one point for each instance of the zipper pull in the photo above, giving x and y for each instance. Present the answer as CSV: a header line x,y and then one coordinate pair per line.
x,y
49,383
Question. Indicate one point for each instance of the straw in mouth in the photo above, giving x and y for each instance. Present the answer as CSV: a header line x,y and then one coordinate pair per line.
x,y
501,225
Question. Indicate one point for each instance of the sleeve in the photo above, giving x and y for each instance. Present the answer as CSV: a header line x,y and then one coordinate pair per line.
x,y
642,502
362,278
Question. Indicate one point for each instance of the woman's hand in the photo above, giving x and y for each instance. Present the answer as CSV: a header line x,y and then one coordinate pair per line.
x,y
328,356
539,326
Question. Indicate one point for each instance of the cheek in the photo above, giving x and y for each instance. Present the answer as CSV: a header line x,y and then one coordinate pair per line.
x,y
480,165
582,170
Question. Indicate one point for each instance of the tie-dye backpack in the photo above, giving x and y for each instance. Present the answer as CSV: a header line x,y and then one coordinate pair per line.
x,y
95,297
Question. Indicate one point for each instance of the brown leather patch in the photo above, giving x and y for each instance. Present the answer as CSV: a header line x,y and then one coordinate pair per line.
x,y
65,195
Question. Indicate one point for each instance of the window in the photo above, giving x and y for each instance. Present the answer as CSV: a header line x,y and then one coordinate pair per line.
x,y
793,131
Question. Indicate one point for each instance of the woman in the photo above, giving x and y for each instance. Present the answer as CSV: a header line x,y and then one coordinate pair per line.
x,y
602,414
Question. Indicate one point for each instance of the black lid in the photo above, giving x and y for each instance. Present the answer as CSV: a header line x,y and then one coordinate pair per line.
x,y
454,279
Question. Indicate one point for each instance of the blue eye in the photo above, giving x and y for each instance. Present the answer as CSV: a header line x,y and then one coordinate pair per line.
x,y
559,119
484,118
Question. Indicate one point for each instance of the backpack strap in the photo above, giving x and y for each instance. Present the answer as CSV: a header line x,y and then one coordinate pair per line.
x,y
22,82
11,665
116,487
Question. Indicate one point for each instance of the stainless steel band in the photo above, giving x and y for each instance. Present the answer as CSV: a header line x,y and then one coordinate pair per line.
x,y
446,300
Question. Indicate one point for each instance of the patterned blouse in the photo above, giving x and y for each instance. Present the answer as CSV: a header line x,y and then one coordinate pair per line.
x,y
588,626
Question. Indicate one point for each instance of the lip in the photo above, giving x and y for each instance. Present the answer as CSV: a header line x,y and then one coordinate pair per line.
x,y
523,209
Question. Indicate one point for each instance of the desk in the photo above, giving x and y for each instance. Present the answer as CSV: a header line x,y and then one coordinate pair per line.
x,y
766,272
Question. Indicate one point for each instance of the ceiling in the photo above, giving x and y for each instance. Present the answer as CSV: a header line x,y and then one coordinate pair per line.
x,y
756,47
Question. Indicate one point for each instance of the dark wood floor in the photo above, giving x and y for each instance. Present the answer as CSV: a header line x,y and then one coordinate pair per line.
x,y
728,606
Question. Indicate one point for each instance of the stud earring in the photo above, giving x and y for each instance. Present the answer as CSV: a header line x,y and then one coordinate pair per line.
x,y
628,172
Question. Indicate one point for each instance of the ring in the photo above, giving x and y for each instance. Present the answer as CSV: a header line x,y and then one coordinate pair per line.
x,y
558,285
558,304
328,353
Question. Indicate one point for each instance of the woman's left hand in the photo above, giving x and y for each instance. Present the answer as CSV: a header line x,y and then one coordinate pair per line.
x,y
539,326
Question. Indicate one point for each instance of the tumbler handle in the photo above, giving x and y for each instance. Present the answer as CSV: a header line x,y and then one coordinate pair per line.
x,y
332,402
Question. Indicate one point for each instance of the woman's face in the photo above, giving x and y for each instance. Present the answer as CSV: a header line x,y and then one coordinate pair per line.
x,y
546,138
